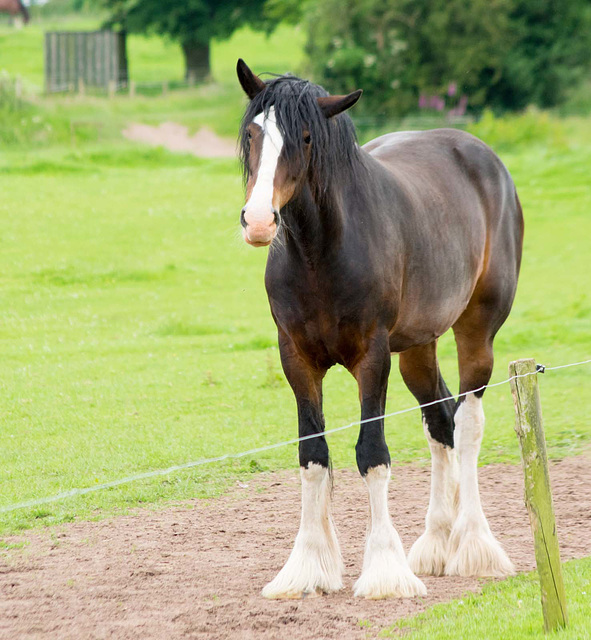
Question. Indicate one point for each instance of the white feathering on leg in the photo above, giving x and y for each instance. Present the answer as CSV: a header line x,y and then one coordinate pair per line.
x,y
314,565
473,550
385,570
428,555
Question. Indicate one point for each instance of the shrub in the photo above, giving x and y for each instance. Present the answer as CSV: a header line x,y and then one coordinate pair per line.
x,y
527,128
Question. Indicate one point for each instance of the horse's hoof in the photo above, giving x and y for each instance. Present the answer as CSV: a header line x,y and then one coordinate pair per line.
x,y
271,594
391,580
428,555
478,554
304,577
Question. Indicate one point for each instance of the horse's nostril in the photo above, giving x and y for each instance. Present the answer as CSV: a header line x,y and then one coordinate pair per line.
x,y
275,215
242,219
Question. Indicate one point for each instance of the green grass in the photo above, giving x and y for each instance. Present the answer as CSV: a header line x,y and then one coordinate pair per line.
x,y
135,330
218,105
509,609
134,326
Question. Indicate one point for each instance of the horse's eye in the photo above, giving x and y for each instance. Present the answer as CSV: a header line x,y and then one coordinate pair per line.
x,y
307,138
249,135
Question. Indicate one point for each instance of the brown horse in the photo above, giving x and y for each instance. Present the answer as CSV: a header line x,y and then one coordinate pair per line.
x,y
14,8
376,250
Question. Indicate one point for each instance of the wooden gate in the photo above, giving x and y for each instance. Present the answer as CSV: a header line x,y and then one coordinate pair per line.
x,y
88,58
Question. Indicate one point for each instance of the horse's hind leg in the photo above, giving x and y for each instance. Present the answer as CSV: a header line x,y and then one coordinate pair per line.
x,y
314,565
420,371
474,551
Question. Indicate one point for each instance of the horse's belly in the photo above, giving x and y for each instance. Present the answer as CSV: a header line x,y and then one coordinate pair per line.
x,y
426,310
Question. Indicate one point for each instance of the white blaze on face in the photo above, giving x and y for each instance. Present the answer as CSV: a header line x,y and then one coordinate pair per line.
x,y
259,208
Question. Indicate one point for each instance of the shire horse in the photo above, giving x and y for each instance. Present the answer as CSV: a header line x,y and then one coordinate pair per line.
x,y
377,250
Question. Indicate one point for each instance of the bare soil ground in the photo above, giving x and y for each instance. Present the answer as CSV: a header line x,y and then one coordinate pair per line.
x,y
196,570
175,137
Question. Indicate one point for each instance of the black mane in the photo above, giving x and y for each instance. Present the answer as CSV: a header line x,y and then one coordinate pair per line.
x,y
334,142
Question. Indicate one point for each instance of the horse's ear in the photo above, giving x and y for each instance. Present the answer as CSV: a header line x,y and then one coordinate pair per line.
x,y
251,84
333,105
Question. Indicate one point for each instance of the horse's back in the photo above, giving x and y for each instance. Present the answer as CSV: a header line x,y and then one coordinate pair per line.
x,y
438,152
450,169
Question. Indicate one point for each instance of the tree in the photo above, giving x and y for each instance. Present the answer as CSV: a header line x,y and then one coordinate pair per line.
x,y
193,23
502,53
550,53
397,50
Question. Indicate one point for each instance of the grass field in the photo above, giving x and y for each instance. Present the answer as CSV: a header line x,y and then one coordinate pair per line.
x,y
136,334
218,104
134,326
518,600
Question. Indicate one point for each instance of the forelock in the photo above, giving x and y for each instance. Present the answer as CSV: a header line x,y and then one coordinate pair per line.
x,y
334,142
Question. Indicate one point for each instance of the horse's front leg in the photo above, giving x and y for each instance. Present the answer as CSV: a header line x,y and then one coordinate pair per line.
x,y
385,569
314,565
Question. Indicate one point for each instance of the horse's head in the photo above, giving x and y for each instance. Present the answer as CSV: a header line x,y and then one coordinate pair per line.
x,y
286,131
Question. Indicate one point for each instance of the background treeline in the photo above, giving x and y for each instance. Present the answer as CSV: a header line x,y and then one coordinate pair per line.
x,y
407,55
505,54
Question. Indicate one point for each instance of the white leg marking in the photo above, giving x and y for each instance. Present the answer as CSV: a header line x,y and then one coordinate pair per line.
x,y
429,553
261,198
385,570
473,549
315,563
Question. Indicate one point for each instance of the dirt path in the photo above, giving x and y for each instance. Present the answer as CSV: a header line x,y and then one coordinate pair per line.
x,y
196,572
175,137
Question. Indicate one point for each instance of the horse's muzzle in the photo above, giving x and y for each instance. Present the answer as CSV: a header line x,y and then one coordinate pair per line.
x,y
259,232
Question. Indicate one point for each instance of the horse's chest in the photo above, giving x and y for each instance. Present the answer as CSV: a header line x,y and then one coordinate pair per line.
x,y
323,327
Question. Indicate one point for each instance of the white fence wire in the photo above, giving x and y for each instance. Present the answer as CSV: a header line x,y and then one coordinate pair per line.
x,y
233,456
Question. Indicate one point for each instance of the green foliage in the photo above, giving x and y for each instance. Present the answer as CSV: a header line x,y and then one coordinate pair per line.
x,y
502,53
549,52
397,50
58,8
578,101
511,131
192,23
195,21
10,101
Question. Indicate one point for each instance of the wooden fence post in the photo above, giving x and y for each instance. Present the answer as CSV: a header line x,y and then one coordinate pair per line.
x,y
132,88
538,495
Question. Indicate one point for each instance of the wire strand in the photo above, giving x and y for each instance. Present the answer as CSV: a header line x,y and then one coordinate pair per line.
x,y
234,456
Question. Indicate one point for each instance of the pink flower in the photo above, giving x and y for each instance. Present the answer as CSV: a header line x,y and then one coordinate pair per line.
x,y
423,101
452,89
462,104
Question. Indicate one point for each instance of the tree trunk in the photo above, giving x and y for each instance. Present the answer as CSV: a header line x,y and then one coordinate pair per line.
x,y
196,61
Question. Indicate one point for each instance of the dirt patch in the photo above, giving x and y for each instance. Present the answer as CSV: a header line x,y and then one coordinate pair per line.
x,y
175,137
197,571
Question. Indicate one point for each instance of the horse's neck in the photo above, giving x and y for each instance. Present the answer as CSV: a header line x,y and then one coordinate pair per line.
x,y
314,225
